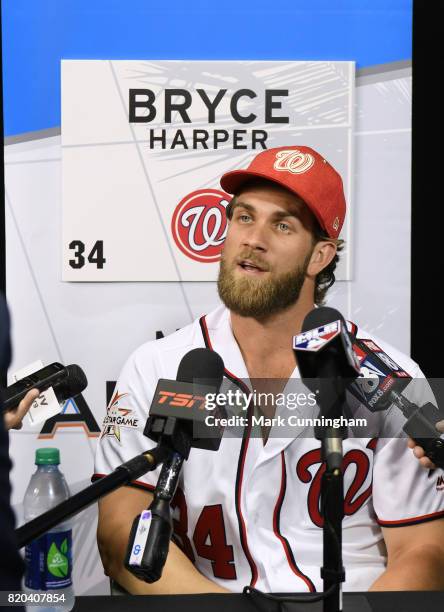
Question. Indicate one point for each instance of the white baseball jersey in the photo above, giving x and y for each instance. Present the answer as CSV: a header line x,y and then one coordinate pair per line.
x,y
249,513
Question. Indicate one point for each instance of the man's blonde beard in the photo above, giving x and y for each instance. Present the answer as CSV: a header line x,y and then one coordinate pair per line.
x,y
259,297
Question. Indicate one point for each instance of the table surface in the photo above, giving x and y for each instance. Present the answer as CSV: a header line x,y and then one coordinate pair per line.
x,y
424,601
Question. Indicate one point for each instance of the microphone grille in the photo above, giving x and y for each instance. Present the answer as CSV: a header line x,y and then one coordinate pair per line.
x,y
76,381
201,365
321,316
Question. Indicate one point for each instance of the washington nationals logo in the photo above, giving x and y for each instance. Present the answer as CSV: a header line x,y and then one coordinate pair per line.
x,y
293,161
199,224
354,497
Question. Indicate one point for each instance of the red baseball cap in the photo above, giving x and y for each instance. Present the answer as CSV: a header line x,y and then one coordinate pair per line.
x,y
303,171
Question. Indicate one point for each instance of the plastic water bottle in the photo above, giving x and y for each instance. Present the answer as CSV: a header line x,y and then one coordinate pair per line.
x,y
49,558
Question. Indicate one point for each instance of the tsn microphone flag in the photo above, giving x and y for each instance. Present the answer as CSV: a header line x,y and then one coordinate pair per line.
x,y
186,401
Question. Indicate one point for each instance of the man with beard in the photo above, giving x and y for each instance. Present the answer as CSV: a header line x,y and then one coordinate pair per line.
x,y
249,514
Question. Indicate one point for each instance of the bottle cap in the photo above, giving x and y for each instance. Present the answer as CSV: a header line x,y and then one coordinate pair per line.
x,y
47,456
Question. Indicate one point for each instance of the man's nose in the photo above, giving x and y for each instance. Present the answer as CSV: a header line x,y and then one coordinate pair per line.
x,y
256,237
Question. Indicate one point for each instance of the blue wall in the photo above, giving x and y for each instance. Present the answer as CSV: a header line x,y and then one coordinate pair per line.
x,y
37,34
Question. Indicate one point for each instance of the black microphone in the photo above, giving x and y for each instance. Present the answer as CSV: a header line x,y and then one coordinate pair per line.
x,y
324,347
177,420
67,381
381,385
327,364
178,410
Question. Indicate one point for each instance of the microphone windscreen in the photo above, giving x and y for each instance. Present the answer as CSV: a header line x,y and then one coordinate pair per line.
x,y
76,381
320,316
202,366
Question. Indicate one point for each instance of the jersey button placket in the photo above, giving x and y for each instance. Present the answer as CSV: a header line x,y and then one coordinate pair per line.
x,y
258,517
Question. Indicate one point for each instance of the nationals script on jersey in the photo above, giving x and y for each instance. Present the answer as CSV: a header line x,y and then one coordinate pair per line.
x,y
249,513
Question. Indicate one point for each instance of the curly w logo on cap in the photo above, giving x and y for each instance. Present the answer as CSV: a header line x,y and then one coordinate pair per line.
x,y
293,161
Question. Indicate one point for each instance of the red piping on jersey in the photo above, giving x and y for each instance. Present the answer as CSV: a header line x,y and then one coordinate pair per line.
x,y
241,463
412,521
239,478
276,517
133,483
206,336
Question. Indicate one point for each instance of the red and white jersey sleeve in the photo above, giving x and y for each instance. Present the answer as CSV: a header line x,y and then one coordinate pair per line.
x,y
122,430
404,493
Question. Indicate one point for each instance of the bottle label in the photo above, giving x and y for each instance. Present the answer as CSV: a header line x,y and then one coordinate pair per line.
x,y
49,561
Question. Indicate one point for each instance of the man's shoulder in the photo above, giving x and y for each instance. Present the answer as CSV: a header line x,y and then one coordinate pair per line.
x,y
167,352
181,340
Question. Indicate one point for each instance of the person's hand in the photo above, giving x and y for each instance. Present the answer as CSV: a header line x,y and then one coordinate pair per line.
x,y
14,418
419,453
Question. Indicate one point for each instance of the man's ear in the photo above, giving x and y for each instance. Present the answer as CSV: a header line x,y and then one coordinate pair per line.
x,y
323,253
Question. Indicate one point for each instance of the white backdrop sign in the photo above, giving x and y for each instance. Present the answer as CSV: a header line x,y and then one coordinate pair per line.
x,y
145,143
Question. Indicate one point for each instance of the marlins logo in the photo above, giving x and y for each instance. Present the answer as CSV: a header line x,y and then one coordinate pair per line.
x,y
117,417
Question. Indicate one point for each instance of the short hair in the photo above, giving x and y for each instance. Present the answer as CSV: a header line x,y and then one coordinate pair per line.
x,y
326,277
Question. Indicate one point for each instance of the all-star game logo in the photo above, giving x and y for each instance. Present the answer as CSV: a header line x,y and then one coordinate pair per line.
x,y
116,417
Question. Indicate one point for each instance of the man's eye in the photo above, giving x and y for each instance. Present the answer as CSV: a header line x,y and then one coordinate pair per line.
x,y
284,227
244,218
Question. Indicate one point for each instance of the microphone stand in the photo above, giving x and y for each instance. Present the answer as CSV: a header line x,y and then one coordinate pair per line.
x,y
332,491
122,475
155,549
